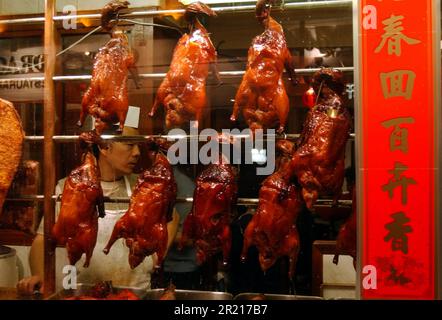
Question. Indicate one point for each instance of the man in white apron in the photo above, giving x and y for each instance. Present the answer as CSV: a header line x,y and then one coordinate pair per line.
x,y
116,162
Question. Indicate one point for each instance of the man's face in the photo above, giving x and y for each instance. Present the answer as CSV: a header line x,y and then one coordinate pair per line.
x,y
123,156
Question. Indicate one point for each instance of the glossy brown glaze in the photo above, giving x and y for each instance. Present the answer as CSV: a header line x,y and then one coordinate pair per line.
x,y
208,224
273,227
81,205
110,12
183,91
319,159
11,146
169,293
262,95
106,98
144,225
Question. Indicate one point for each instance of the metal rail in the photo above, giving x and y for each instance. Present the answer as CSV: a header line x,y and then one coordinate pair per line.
x,y
149,13
224,74
141,138
240,201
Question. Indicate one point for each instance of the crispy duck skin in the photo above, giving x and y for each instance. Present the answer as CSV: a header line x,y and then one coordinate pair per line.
x,y
169,293
273,227
346,241
318,162
105,291
107,96
208,223
110,12
81,205
262,95
183,91
11,145
144,225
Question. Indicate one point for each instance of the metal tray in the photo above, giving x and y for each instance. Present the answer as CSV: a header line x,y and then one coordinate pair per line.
x,y
85,289
250,296
155,294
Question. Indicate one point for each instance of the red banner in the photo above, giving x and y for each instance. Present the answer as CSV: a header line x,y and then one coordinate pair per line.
x,y
398,149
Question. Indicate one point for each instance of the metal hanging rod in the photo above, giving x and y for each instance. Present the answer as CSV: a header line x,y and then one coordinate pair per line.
x,y
148,13
161,75
141,138
240,201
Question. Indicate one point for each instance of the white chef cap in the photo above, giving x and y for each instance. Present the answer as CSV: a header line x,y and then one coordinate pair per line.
x,y
133,117
132,120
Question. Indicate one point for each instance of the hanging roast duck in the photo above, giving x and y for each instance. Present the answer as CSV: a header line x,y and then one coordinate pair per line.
x,y
318,161
81,204
144,225
183,91
107,96
273,227
262,95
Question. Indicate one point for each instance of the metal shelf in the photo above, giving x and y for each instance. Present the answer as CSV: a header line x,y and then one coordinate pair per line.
x,y
149,13
159,76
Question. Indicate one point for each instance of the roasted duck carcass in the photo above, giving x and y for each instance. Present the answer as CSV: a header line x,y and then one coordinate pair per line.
x,y
183,91
11,145
273,227
208,224
346,241
262,95
318,162
81,205
144,225
107,98
105,291
169,293
110,12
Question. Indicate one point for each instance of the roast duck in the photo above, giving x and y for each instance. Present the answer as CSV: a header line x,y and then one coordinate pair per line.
x,y
183,91
11,145
273,227
208,223
144,225
81,204
106,99
318,161
346,241
169,293
105,291
262,95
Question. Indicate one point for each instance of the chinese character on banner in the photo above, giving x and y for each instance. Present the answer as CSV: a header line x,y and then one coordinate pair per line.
x,y
393,36
398,181
398,83
399,136
397,232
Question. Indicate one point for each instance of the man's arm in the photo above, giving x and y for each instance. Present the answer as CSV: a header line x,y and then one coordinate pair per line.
x,y
28,285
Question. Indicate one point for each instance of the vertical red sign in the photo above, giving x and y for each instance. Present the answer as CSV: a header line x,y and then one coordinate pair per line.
x,y
397,152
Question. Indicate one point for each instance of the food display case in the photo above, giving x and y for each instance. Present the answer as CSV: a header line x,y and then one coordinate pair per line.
x,y
48,63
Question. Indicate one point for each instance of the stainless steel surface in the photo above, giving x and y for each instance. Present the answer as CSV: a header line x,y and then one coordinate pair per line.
x,y
85,289
250,296
155,294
